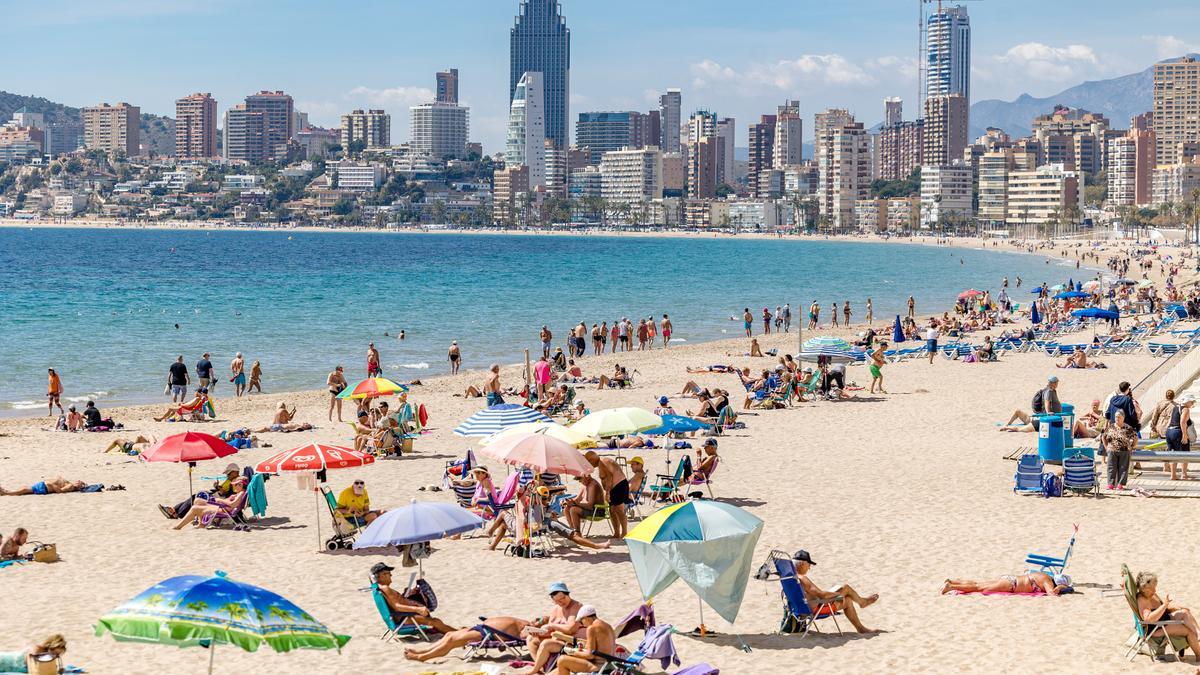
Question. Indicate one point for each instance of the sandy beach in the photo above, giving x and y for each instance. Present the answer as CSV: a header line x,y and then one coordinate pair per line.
x,y
890,493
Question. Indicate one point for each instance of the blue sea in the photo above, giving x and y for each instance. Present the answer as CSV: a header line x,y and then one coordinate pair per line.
x,y
110,309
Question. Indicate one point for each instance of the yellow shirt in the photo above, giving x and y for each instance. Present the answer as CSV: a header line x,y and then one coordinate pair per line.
x,y
354,503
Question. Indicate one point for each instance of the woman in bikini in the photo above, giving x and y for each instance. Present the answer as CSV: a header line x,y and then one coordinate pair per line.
x,y
1025,584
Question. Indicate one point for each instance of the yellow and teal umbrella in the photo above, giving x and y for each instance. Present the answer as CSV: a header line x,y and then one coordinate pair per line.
x,y
708,544
373,387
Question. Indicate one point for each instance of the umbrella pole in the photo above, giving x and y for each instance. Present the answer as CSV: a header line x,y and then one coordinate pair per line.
x,y
703,628
212,653
190,465
318,491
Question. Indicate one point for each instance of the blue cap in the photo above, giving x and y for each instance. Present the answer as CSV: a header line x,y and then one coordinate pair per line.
x,y
558,587
663,400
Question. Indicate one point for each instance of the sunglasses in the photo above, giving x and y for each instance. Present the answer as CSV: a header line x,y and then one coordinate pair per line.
x,y
359,482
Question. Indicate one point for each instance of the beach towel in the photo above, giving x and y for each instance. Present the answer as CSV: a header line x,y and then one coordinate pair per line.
x,y
1031,593
658,645
257,495
11,563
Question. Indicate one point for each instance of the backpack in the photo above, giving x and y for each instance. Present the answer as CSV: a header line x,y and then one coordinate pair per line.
x,y
1051,485
1039,403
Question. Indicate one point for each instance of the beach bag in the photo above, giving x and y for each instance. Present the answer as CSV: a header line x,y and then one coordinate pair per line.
x,y
1039,403
44,553
1051,485
423,593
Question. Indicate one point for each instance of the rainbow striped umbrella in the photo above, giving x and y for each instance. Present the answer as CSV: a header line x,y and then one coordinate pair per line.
x,y
373,387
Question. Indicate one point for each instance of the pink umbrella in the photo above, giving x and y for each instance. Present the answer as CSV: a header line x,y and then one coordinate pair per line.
x,y
189,447
540,452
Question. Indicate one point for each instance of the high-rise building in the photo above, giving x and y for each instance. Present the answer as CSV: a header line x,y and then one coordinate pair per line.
x,y
603,132
372,128
1131,168
893,111
1072,137
246,135
702,168
946,191
113,128
948,52
993,170
277,110
632,175
440,129
762,152
540,42
526,142
789,136
726,133
653,134
901,149
850,173
507,184
1175,183
945,133
825,127
671,120
1043,195
196,127
447,86
674,174
1176,107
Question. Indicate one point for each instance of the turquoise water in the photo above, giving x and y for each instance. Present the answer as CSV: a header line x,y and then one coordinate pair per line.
x,y
101,306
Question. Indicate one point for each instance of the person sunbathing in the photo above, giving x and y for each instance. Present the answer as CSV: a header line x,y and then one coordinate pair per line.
x,y
282,421
562,618
52,486
706,463
1091,423
193,408
75,421
202,509
850,600
600,638
125,446
1026,584
44,655
633,441
10,549
1154,610
755,349
1079,359
712,369
620,378
220,488
556,398
508,625
402,607
590,495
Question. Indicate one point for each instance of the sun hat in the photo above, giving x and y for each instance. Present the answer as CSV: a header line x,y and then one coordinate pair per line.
x,y
586,611
558,587
663,400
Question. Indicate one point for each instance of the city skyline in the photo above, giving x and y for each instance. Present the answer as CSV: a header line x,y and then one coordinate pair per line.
x,y
742,66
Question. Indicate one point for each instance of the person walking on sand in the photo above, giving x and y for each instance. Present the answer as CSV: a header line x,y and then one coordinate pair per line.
x,y
814,315
912,307
833,311
54,390
491,386
666,331
337,384
748,322
454,356
870,314
204,372
546,336
877,362
373,368
238,369
178,380
787,317
931,339
651,332
846,313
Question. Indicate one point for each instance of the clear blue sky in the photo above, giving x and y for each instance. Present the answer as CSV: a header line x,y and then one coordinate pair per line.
x,y
740,59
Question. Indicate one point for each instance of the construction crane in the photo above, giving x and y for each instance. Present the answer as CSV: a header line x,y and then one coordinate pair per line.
x,y
922,46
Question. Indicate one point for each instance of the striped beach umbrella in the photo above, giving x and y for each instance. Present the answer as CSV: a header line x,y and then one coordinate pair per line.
x,y
828,353
497,418
373,387
193,610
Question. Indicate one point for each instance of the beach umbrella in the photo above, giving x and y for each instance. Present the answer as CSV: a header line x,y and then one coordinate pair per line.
x,y
1034,317
813,344
1145,283
540,452
189,447
617,422
416,523
971,293
551,429
1125,282
1057,287
317,458
680,424
1091,285
830,355
706,543
1095,313
497,418
193,610
897,331
1072,295
373,387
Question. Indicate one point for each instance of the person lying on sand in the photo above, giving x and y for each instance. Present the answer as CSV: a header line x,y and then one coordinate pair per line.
x,y
282,421
712,369
402,607
562,618
844,598
509,625
126,446
51,486
1154,610
1025,584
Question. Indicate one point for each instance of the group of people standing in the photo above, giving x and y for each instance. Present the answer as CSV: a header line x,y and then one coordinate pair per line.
x,y
178,377
621,336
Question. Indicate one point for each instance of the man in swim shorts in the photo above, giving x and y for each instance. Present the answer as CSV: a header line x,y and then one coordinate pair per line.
x,y
54,391
237,368
491,387
877,362
178,379
53,486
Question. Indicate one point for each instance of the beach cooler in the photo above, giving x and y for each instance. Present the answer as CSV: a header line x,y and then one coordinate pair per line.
x,y
1050,438
1068,419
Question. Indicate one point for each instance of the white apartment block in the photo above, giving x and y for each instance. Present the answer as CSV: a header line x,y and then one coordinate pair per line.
x,y
526,140
1175,183
1038,197
238,182
631,175
372,128
849,178
440,130
362,177
946,191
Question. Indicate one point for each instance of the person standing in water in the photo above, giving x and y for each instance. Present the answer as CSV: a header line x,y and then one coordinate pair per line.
x,y
455,357
666,331
54,392
255,378
373,369
238,368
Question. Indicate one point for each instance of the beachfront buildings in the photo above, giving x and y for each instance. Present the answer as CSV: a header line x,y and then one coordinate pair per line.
x,y
762,154
670,118
21,140
946,194
900,149
601,132
1176,108
1131,166
702,168
447,86
944,136
508,186
112,128
371,129
789,136
1043,196
278,121
440,129
843,164
526,140
540,42
1072,137
1175,183
196,127
245,135
632,175
355,176
948,52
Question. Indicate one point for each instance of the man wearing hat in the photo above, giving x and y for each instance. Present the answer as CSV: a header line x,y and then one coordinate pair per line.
x,y
402,606
664,406
843,598
563,618
220,488
600,638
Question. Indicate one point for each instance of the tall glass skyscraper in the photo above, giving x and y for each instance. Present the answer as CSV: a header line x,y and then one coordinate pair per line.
x,y
540,42
948,53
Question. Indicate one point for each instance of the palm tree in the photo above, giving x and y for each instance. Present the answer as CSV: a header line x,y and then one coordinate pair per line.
x,y
197,606
235,611
153,599
284,615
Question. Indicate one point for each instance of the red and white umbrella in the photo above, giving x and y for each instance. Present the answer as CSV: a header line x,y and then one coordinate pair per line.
x,y
189,447
314,457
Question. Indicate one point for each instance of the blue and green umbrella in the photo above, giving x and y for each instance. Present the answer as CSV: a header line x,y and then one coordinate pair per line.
x,y
193,610
708,544
677,424
826,342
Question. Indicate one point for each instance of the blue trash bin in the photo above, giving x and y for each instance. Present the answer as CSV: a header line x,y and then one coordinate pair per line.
x,y
1068,420
1050,438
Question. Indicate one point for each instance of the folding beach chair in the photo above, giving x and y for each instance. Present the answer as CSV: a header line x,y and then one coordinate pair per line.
x,y
1079,475
407,626
344,531
232,515
799,616
1150,639
1050,564
493,640
1029,475
666,486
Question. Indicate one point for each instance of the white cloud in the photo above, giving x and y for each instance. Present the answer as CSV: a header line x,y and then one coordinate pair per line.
x,y
802,73
1169,46
1042,62
397,97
